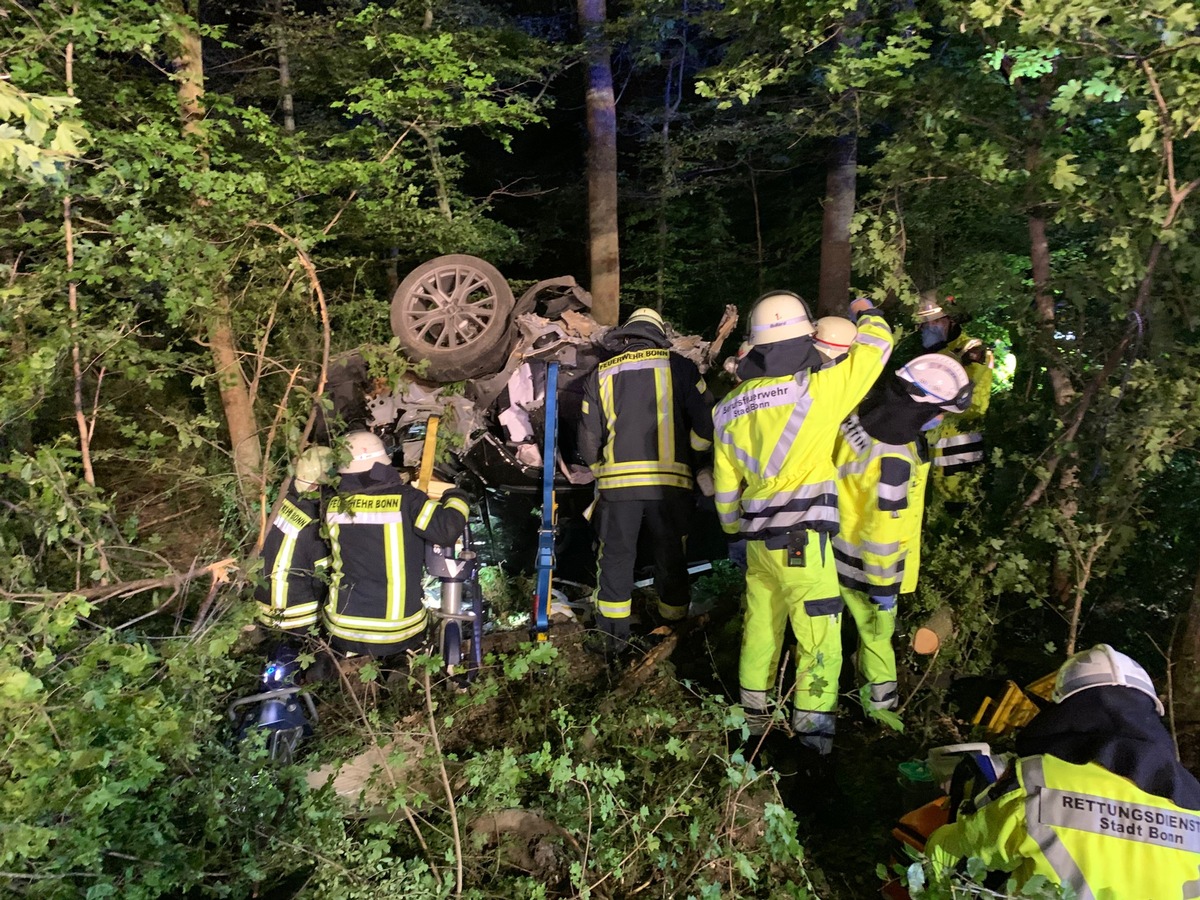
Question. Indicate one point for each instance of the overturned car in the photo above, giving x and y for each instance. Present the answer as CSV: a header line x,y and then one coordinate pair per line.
x,y
485,355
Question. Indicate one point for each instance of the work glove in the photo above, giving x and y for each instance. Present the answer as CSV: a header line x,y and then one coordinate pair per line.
x,y
704,481
860,305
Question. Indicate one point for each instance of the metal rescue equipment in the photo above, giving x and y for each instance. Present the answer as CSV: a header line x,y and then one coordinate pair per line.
x,y
456,572
282,710
545,552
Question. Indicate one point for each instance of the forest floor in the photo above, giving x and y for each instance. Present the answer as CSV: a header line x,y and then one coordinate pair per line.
x,y
845,811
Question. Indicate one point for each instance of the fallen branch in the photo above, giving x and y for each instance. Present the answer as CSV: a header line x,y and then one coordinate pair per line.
x,y
220,571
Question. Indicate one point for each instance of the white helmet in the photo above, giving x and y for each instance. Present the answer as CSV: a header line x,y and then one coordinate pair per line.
x,y
312,468
365,449
1102,666
834,335
779,316
938,379
731,363
929,309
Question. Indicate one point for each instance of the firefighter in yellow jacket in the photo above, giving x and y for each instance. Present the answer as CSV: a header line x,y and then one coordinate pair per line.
x,y
957,444
1096,801
882,464
378,530
294,553
775,487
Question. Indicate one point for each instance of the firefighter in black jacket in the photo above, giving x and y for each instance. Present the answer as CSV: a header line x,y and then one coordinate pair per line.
x,y
294,553
378,529
646,414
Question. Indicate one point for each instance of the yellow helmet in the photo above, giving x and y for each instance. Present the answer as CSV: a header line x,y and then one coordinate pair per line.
x,y
312,468
646,314
779,316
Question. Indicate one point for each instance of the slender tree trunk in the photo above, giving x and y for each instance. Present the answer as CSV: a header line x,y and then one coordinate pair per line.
x,y
81,422
286,98
760,255
671,97
1039,255
231,381
840,192
437,166
603,246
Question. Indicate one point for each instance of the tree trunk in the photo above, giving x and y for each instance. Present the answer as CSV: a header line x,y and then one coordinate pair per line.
x,y
1039,256
603,247
438,168
231,382
285,72
840,186
671,98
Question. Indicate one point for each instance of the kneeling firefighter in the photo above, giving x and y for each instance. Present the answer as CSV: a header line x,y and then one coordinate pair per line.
x,y
776,488
882,462
1096,801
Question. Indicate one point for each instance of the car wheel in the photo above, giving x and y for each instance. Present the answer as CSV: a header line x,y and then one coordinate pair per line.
x,y
454,312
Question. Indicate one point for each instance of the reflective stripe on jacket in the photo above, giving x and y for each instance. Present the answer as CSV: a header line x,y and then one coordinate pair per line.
x,y
957,443
378,542
293,553
773,444
1078,825
645,413
881,501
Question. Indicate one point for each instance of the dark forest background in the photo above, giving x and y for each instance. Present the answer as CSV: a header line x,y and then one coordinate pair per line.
x,y
204,203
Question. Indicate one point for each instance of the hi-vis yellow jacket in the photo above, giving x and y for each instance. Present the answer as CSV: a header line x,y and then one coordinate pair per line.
x,y
881,501
1082,826
957,443
645,414
773,459
294,555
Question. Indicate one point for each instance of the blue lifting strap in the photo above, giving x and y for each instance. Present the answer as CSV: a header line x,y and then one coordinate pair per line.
x,y
545,554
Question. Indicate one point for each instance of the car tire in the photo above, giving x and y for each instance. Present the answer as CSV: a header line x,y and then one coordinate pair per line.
x,y
453,311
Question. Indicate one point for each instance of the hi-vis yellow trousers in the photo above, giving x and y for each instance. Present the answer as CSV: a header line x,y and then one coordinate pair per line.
x,y
808,596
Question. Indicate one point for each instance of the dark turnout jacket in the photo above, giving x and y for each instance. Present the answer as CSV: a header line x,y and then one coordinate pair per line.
x,y
293,554
378,530
646,412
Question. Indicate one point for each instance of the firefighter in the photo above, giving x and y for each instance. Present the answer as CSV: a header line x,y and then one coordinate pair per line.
x,y
833,338
646,423
378,529
294,554
775,486
1096,800
882,462
957,444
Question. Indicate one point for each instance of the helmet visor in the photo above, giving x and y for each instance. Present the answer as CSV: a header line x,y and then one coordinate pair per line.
x,y
958,403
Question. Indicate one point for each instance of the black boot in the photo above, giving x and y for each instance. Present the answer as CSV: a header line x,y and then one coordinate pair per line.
x,y
812,791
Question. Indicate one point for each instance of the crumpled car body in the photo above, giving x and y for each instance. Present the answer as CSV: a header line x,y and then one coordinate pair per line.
x,y
486,355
